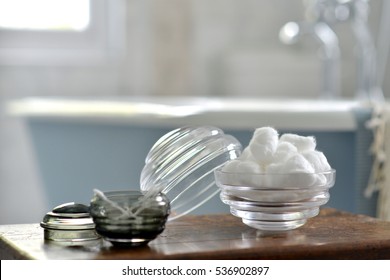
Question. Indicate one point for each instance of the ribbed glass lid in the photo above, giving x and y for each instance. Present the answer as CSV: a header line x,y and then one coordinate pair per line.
x,y
182,163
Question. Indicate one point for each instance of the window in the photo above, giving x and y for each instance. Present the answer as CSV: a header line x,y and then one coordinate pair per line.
x,y
59,32
46,15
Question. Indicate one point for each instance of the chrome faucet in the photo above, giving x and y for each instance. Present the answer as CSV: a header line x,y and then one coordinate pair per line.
x,y
320,17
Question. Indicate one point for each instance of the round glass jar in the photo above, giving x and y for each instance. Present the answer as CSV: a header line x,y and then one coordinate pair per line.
x,y
129,218
275,202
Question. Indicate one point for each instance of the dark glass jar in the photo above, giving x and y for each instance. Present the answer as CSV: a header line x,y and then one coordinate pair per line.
x,y
129,218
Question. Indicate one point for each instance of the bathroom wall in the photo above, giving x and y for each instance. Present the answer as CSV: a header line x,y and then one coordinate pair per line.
x,y
171,48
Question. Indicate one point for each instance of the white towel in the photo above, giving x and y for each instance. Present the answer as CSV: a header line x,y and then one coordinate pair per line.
x,y
380,149
384,192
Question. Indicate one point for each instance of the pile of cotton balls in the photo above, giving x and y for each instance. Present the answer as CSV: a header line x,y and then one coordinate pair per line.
x,y
267,153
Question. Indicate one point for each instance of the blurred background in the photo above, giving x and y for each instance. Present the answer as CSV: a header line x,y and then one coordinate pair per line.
x,y
164,48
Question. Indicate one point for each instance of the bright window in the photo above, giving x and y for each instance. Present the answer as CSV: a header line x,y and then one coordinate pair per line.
x,y
61,32
45,14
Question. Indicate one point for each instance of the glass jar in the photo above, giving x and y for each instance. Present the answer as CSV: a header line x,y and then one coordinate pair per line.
x,y
129,218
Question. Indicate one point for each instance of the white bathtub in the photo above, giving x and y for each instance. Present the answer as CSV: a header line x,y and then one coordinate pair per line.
x,y
83,144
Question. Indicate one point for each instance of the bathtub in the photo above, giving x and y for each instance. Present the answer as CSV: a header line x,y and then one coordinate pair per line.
x,y
82,143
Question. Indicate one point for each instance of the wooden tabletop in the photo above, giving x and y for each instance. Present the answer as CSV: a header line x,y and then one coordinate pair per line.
x,y
331,235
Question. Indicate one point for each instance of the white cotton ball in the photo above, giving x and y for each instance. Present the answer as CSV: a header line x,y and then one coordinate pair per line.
x,y
283,151
231,166
249,167
321,180
297,163
251,174
240,166
265,133
263,154
263,144
275,168
318,160
303,143
289,173
243,173
231,178
301,172
247,155
274,179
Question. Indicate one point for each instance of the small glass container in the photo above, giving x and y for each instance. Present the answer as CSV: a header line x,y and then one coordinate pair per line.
x,y
69,224
129,218
275,202
182,163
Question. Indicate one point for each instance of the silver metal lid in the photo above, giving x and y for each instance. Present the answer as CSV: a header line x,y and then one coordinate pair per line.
x,y
68,216
69,222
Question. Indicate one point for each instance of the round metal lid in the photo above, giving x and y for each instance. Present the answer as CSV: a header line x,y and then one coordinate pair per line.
x,y
68,216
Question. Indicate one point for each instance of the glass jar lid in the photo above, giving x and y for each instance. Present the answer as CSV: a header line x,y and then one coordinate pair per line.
x,y
182,163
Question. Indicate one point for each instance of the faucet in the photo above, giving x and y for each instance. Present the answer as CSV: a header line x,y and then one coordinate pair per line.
x,y
321,16
366,51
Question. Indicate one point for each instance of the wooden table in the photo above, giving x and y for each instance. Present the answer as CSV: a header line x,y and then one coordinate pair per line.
x,y
331,235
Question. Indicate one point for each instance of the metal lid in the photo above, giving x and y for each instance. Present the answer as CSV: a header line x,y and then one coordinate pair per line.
x,y
69,224
68,216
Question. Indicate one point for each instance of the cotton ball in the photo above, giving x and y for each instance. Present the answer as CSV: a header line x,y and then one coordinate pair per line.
x,y
320,164
274,179
248,174
318,160
242,173
263,144
265,132
320,180
249,167
283,151
265,135
276,168
301,172
263,154
231,166
247,155
240,166
290,183
281,174
297,163
303,143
